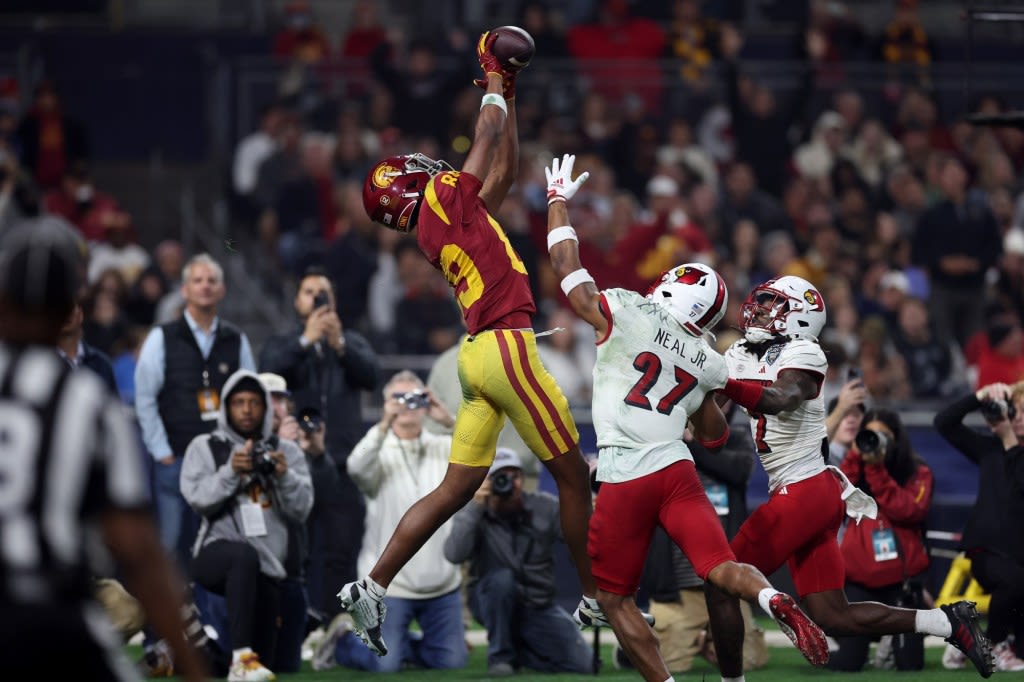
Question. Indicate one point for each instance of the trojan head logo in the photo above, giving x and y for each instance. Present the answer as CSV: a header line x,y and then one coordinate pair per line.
x,y
384,175
689,275
813,299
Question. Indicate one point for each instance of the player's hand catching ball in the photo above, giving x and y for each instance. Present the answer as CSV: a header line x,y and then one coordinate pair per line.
x,y
561,186
490,63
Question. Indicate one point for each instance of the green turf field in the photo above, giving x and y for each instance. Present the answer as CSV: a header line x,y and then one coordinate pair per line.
x,y
785,664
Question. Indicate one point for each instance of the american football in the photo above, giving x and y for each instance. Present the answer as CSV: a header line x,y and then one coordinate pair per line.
x,y
513,47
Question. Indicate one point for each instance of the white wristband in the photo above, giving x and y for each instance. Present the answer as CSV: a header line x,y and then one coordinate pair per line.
x,y
561,234
574,279
496,100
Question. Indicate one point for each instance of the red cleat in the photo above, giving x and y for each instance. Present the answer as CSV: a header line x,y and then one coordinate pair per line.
x,y
803,632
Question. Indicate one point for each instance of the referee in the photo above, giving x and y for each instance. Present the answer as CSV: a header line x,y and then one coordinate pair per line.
x,y
70,476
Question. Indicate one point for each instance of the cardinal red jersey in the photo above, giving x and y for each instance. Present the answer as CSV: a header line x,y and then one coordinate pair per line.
x,y
462,240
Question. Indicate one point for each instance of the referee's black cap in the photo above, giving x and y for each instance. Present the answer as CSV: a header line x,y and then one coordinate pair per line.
x,y
42,264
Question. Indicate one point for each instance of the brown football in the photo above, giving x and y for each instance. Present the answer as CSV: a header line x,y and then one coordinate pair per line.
x,y
513,47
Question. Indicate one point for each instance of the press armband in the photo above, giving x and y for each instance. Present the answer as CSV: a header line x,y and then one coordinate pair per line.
x,y
574,279
496,100
561,234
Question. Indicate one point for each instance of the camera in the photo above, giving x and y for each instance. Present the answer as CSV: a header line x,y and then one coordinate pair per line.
x,y
998,410
309,419
262,462
413,400
321,300
870,442
503,483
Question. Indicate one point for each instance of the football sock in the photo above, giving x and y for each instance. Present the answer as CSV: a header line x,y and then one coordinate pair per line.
x,y
741,678
932,622
764,597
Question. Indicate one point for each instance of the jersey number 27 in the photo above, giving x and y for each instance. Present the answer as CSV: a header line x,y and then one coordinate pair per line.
x,y
650,365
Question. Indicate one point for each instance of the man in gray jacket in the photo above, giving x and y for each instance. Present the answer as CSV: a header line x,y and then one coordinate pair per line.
x,y
508,536
245,484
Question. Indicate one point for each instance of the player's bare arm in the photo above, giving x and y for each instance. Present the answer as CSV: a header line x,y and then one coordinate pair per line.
x,y
563,245
506,157
492,121
786,393
709,424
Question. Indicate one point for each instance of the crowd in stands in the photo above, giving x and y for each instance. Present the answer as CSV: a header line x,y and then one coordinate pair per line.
x,y
909,222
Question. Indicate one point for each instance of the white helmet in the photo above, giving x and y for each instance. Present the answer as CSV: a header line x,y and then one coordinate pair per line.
x,y
787,306
693,294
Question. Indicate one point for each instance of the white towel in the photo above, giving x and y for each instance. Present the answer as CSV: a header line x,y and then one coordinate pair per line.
x,y
858,503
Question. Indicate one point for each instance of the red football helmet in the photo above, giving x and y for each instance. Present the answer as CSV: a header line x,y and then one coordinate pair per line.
x,y
394,188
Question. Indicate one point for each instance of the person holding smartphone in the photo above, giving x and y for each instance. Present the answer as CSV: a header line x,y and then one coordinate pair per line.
x,y
325,367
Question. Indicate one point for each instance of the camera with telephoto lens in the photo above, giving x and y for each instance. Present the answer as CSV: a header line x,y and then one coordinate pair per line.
x,y
870,442
262,462
413,400
503,483
309,419
997,410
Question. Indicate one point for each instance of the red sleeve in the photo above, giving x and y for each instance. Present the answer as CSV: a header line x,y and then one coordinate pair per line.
x,y
602,306
852,465
907,504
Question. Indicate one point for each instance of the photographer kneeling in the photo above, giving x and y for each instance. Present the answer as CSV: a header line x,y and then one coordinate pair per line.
x,y
885,556
394,465
246,485
993,538
508,537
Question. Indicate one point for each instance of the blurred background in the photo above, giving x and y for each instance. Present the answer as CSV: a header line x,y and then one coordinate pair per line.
x,y
760,136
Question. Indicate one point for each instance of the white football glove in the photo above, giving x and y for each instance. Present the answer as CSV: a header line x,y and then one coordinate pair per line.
x,y
561,186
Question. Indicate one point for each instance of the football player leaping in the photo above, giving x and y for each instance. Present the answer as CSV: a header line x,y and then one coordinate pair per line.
x,y
500,372
654,372
777,371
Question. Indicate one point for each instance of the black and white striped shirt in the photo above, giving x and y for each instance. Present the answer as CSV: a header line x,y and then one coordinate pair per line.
x,y
67,453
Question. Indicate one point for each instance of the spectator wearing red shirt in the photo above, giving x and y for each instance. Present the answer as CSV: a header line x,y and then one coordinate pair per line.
x,y
1001,356
619,54
50,140
78,201
362,39
668,236
301,39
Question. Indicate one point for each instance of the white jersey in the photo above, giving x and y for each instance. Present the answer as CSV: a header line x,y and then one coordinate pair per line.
x,y
789,443
649,377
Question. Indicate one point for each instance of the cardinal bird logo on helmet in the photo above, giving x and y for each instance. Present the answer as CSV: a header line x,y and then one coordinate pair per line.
x,y
689,275
813,299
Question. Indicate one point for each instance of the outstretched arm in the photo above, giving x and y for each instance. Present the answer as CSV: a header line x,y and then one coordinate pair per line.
x,y
490,153
564,249
786,393
505,166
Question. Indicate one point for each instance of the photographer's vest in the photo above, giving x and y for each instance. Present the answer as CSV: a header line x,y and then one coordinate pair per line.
x,y
188,378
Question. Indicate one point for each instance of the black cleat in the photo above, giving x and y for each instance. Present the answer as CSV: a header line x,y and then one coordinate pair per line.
x,y
968,637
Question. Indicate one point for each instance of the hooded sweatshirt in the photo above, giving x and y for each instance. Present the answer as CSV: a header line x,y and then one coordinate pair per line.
x,y
218,493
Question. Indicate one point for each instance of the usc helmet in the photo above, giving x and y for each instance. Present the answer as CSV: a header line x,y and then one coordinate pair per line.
x,y
787,306
693,294
394,188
